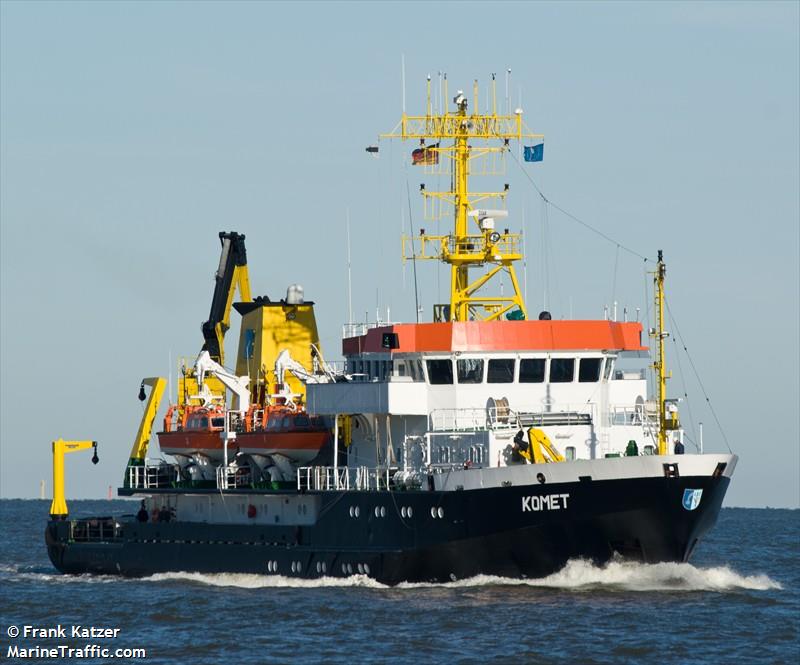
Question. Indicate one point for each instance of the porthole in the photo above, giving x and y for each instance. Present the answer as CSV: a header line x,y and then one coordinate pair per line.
x,y
433,512
360,569
440,512
349,568
293,566
403,512
319,567
377,511
383,511
358,511
344,569
366,568
324,568
410,511
352,511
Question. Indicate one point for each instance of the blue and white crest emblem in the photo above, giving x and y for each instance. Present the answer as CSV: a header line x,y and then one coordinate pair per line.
x,y
691,498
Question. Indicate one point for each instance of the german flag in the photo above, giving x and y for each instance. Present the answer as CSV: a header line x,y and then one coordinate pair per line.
x,y
425,156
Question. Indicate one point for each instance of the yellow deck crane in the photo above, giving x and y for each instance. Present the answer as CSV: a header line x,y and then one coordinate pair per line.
x,y
58,508
231,274
142,440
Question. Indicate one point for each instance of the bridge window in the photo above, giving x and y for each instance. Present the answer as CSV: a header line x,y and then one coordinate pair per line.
x,y
562,370
440,372
414,367
501,370
470,370
531,370
589,370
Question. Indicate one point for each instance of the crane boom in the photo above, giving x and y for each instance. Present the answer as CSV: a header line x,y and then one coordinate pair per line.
x,y
231,274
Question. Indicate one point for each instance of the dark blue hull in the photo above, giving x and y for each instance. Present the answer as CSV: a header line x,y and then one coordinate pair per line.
x,y
505,531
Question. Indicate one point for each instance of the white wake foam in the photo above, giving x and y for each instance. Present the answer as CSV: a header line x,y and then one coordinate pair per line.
x,y
632,576
252,581
578,575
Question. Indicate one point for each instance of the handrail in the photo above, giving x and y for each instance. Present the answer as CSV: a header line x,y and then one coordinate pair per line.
x,y
153,476
327,478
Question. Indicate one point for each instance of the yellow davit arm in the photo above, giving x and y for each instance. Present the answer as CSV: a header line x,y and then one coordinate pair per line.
x,y
540,448
58,509
142,440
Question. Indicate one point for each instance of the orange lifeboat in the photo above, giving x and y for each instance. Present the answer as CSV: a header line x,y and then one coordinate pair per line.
x,y
272,430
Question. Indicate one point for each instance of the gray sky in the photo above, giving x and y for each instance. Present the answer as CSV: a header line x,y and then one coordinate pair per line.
x,y
133,132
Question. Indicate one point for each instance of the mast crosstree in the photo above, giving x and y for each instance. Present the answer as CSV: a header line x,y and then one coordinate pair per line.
x,y
482,245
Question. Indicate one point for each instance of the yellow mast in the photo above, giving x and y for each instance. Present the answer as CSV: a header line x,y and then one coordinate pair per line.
x,y
485,246
659,365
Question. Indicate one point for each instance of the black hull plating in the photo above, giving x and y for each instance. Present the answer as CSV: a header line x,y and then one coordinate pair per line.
x,y
486,531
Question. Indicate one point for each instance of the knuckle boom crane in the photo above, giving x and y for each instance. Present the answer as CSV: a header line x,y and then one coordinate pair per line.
x,y
231,273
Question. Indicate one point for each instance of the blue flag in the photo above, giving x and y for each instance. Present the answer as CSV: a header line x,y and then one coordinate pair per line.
x,y
534,153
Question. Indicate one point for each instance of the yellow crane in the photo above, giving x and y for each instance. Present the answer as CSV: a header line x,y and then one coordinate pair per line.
x,y
231,275
58,508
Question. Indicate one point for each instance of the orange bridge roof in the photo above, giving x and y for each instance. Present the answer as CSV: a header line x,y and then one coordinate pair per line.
x,y
466,336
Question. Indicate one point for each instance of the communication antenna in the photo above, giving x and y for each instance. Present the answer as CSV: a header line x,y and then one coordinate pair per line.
x,y
403,78
349,274
508,99
169,378
413,253
524,259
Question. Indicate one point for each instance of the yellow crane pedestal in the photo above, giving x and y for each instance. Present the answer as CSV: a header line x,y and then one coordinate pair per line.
x,y
58,509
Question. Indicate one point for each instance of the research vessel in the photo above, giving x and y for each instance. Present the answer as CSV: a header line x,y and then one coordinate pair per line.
x,y
482,441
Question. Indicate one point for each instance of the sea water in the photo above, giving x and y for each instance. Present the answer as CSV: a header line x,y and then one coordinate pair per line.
x,y
738,601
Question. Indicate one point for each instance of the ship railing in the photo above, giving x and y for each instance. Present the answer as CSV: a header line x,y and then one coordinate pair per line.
x,y
323,478
95,530
360,329
153,476
470,419
632,415
234,477
328,478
